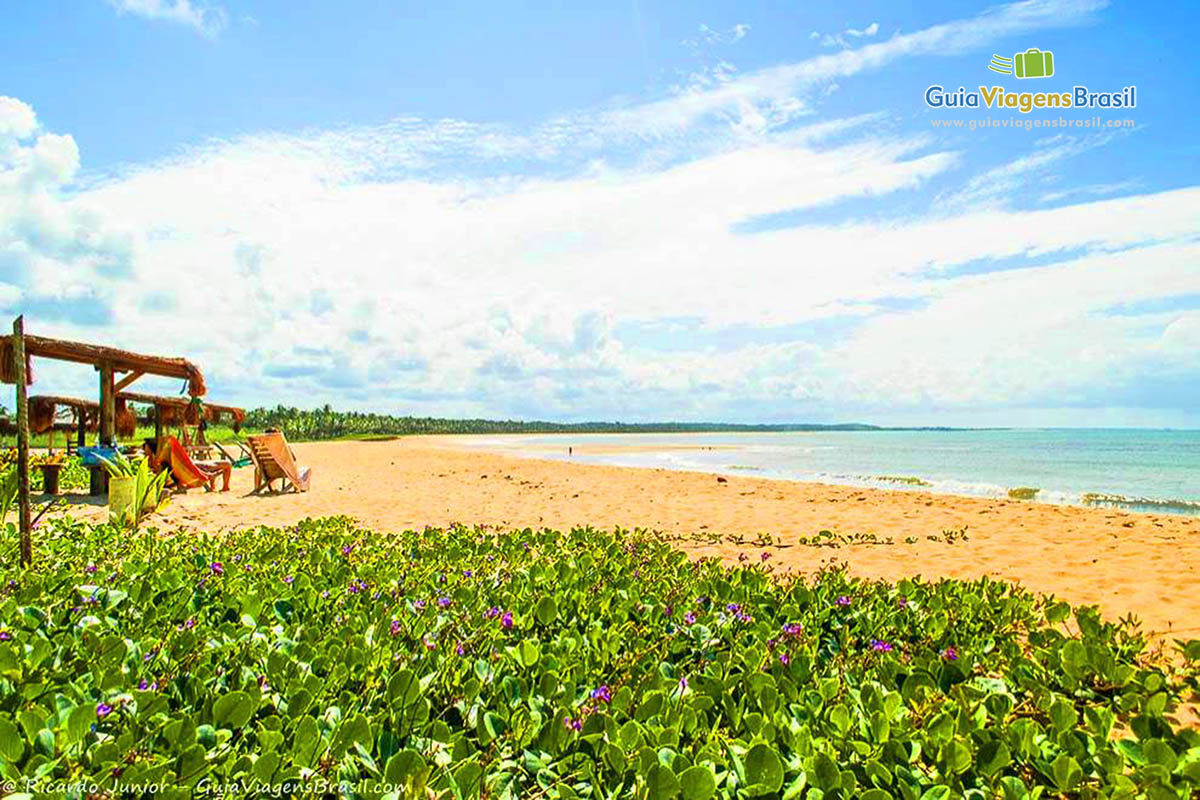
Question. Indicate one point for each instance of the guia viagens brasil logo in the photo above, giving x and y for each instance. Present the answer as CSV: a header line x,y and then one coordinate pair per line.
x,y
1030,64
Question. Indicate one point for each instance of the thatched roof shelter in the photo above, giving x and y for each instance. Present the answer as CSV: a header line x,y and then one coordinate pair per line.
x,y
43,412
109,362
172,410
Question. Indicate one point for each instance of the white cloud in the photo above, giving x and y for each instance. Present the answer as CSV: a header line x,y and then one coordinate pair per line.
x,y
779,94
405,267
997,184
204,19
842,40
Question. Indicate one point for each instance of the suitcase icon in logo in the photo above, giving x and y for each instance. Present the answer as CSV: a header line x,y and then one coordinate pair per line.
x,y
1034,63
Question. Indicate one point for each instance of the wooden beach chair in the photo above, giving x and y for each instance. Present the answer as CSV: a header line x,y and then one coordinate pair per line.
x,y
275,461
186,473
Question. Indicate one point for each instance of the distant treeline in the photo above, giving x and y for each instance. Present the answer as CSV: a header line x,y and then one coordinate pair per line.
x,y
325,423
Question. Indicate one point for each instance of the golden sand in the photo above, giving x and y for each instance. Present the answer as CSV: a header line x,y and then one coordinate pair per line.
x,y
1124,562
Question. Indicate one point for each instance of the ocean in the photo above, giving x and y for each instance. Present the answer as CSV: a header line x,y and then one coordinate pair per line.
x,y
1132,469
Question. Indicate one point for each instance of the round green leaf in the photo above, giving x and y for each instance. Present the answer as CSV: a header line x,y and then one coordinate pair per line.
x,y
764,770
661,783
233,710
697,783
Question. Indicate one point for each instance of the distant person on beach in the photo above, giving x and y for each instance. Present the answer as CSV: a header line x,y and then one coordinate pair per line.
x,y
570,451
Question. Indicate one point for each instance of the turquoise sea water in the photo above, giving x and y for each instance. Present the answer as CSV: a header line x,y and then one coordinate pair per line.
x,y
1144,470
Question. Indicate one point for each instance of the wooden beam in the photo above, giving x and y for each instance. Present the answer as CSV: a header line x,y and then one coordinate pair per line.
x,y
128,379
124,360
22,443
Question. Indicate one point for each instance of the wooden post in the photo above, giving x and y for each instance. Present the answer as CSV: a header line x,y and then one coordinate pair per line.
x,y
108,405
81,434
158,428
22,442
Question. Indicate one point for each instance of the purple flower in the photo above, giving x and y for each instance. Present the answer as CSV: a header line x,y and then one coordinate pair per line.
x,y
572,724
419,604
395,627
103,710
669,611
90,569
785,659
602,693
792,629
689,618
5,636
765,556
217,568
507,620
460,650
444,602
950,654
347,549
733,608
902,602
288,579
142,684
880,646
683,684
191,623
843,600
491,613
467,573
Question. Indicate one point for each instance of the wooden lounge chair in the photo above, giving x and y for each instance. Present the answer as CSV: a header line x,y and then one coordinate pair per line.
x,y
275,461
186,473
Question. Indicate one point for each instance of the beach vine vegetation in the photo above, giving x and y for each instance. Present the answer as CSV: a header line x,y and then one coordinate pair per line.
x,y
470,662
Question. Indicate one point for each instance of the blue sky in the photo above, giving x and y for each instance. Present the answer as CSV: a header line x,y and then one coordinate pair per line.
x,y
701,211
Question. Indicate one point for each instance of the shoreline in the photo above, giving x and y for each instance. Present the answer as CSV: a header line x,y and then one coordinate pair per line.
x,y
1125,562
538,446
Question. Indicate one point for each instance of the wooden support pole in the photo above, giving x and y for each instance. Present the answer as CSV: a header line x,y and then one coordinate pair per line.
x,y
22,442
81,433
108,405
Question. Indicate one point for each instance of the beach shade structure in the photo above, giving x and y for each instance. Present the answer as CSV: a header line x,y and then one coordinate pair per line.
x,y
186,473
46,414
274,461
181,411
118,370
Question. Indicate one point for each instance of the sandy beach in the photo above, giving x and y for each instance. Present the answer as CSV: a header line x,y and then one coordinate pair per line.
x,y
1144,564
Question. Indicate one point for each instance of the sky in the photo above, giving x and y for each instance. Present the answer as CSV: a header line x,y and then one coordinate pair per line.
x,y
632,210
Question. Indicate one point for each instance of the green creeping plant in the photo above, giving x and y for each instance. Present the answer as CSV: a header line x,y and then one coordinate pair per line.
x,y
469,662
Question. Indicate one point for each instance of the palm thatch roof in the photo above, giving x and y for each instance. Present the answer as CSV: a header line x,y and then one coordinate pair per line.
x,y
174,409
43,412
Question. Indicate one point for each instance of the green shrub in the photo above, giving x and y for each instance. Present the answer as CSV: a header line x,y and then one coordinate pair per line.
x,y
559,665
1023,493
